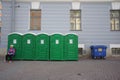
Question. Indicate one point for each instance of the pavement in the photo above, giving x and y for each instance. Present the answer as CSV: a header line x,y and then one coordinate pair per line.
x,y
84,69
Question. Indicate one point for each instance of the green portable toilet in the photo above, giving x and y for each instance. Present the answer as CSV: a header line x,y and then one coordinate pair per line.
x,y
15,39
28,46
56,47
42,47
71,47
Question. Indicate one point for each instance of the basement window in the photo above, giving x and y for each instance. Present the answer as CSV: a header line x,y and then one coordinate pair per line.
x,y
80,51
35,19
81,48
115,51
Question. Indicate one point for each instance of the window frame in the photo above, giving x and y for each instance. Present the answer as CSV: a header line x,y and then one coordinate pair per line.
x,y
114,20
30,28
75,19
115,51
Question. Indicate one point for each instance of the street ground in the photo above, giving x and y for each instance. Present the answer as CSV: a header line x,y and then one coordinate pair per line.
x,y
84,69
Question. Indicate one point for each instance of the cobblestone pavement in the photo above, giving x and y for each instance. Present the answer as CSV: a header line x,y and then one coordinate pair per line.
x,y
84,69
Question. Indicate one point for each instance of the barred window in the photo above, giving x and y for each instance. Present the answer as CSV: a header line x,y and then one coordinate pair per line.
x,y
80,51
115,51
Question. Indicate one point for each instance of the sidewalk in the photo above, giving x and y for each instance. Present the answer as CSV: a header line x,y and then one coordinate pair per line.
x,y
84,69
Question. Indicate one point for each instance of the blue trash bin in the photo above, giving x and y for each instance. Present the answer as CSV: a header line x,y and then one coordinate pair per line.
x,y
98,51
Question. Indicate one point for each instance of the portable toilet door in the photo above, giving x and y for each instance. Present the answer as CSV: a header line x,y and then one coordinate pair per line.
x,y
42,47
56,47
71,47
28,46
15,39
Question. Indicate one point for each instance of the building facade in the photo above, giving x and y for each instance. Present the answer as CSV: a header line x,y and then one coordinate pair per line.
x,y
95,22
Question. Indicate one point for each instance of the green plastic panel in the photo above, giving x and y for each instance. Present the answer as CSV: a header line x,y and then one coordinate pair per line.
x,y
56,47
71,47
28,46
42,47
15,39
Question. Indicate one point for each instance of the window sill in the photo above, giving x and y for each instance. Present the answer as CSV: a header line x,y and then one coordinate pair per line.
x,y
34,30
115,30
75,30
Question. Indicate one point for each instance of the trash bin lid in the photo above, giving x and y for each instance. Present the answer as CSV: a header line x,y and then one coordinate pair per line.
x,y
98,46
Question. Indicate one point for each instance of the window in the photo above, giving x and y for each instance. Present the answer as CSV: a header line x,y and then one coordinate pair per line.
x,y
115,20
115,51
80,51
75,16
35,19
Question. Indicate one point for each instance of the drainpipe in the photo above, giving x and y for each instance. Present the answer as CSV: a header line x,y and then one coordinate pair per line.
x,y
13,16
